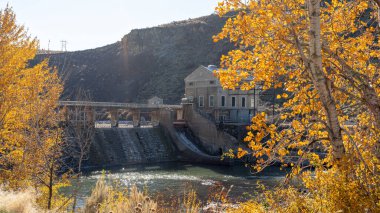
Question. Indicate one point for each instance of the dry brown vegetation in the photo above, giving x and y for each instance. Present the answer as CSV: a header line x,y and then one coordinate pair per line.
x,y
106,198
20,202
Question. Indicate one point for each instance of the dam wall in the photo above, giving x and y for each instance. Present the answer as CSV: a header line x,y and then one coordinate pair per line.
x,y
187,150
123,146
201,143
213,139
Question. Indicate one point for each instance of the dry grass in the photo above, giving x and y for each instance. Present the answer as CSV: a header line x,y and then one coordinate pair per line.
x,y
20,202
98,196
107,199
190,203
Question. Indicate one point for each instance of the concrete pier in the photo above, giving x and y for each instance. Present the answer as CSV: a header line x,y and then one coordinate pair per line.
x,y
114,117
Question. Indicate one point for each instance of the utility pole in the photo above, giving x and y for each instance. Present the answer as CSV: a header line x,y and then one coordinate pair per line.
x,y
63,45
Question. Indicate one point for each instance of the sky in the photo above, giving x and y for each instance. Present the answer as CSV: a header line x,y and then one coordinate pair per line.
x,y
87,24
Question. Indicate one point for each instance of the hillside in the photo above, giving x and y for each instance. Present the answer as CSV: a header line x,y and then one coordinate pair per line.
x,y
146,62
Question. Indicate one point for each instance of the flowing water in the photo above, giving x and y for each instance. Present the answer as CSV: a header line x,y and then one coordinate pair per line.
x,y
168,181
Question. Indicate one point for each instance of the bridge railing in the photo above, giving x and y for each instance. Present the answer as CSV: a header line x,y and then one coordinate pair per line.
x,y
120,105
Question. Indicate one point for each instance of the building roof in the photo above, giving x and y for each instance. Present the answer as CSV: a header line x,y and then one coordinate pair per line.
x,y
202,73
155,98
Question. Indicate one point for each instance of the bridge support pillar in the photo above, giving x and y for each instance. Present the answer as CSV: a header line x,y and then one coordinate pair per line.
x,y
114,117
180,114
90,114
155,117
66,114
136,117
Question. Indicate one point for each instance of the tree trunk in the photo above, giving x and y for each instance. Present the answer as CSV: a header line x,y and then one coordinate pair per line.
x,y
50,185
373,102
321,82
76,189
369,94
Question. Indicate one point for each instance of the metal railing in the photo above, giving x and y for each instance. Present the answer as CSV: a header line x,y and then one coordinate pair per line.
x,y
118,105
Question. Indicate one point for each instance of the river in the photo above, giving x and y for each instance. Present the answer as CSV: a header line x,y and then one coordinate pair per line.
x,y
168,181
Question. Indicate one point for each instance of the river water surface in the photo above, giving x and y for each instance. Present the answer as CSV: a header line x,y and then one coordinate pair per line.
x,y
168,181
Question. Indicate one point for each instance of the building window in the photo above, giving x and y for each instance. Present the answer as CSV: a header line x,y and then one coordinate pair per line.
x,y
243,104
233,101
211,101
191,84
223,101
201,101
212,82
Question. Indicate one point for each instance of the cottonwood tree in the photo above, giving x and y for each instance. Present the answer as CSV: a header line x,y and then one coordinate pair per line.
x,y
43,137
325,54
30,135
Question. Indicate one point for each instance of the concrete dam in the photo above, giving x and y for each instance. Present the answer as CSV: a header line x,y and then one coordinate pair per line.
x,y
127,133
122,146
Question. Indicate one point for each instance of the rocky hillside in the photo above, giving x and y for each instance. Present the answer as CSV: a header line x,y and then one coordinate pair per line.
x,y
145,63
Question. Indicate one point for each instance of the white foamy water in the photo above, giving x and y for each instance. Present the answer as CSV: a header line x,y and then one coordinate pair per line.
x,y
134,176
173,179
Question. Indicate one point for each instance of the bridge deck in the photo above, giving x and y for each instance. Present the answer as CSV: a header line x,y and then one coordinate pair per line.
x,y
118,105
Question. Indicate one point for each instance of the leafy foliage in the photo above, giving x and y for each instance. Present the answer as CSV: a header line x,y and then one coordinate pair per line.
x,y
325,55
30,136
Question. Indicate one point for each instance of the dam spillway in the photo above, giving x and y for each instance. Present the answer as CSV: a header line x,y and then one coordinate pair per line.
x,y
122,146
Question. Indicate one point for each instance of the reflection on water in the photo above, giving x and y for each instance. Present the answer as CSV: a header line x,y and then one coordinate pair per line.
x,y
171,180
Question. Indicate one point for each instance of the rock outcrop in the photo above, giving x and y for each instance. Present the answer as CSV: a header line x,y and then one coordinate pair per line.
x,y
145,63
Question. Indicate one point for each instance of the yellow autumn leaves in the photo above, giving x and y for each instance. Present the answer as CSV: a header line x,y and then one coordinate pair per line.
x,y
30,135
274,46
